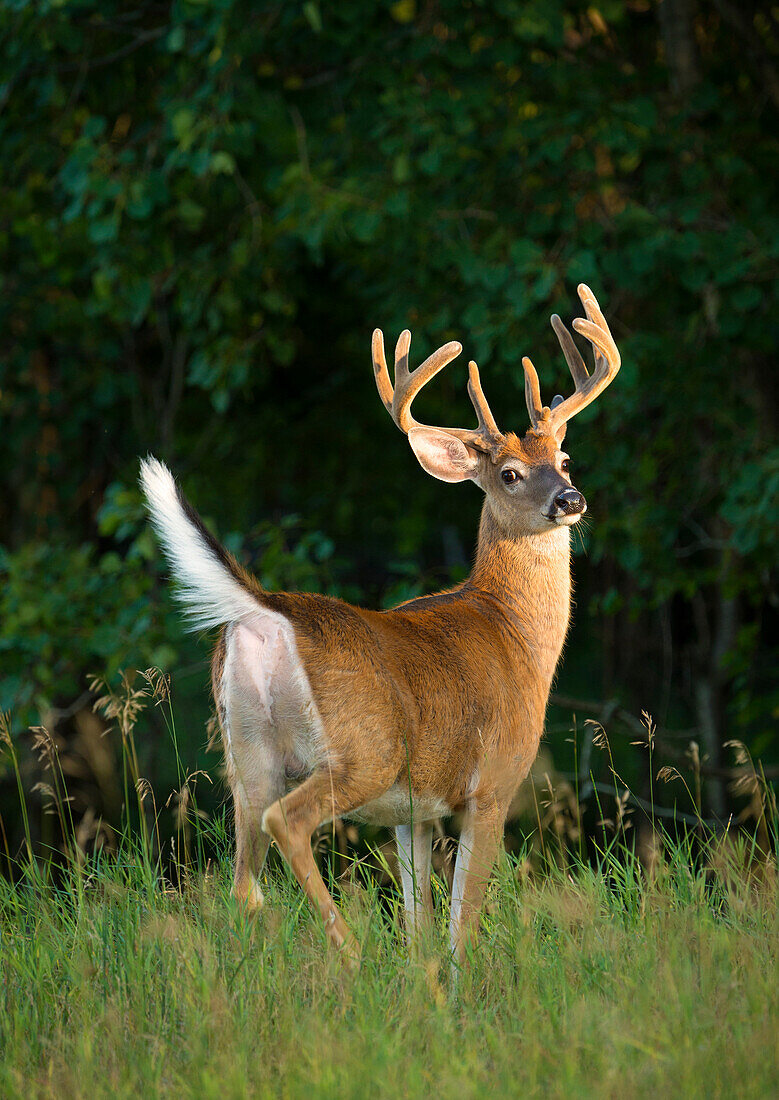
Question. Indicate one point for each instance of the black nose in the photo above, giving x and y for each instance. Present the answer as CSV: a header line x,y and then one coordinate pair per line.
x,y
570,501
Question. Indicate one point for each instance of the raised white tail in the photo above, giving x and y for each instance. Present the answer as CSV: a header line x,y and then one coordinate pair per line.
x,y
208,580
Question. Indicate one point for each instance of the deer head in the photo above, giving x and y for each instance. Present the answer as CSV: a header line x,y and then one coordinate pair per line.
x,y
526,480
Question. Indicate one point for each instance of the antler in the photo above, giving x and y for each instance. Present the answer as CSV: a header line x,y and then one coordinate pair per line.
x,y
397,400
552,420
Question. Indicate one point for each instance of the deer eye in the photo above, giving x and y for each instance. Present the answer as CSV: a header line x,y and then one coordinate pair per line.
x,y
565,465
509,476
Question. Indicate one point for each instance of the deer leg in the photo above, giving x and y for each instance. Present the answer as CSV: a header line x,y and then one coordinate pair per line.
x,y
415,858
251,843
291,821
255,768
480,842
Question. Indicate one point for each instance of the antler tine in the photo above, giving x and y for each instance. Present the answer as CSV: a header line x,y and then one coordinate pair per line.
x,y
409,383
488,428
401,357
597,332
397,400
576,365
607,361
383,383
532,393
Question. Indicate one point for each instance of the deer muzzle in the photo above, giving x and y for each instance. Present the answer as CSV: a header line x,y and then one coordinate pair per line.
x,y
568,502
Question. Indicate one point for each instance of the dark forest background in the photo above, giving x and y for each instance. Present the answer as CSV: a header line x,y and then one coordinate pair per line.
x,y
206,207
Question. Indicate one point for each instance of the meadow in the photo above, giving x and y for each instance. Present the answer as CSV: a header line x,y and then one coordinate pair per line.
x,y
206,210
130,970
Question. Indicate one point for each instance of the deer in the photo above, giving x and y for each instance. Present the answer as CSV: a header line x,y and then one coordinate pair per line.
x,y
400,717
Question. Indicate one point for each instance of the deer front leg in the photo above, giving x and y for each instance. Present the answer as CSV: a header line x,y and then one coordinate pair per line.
x,y
480,842
415,858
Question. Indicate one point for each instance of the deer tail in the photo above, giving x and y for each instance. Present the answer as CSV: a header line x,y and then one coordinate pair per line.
x,y
210,584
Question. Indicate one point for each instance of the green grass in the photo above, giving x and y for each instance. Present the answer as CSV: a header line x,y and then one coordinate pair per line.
x,y
605,981
584,983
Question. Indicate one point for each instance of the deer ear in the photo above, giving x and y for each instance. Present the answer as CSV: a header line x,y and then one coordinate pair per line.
x,y
442,455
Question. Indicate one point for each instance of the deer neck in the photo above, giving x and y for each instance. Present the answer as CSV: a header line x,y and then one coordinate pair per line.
x,y
532,575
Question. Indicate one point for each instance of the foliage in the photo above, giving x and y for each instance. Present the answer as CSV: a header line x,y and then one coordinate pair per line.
x,y
97,611
205,209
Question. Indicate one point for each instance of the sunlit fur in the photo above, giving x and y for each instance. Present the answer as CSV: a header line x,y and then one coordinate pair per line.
x,y
435,706
399,716
520,510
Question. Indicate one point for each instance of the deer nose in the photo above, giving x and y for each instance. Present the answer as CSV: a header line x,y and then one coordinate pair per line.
x,y
570,501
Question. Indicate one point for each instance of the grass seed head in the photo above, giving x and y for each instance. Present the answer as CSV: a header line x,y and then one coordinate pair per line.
x,y
667,774
5,729
740,752
599,738
159,684
44,745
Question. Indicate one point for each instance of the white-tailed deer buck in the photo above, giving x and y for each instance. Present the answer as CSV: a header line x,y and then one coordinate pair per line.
x,y
399,717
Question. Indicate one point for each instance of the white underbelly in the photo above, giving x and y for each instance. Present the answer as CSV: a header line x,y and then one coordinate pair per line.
x,y
399,806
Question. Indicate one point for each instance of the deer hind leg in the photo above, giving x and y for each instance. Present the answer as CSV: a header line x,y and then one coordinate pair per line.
x,y
251,843
415,861
292,820
255,752
480,842
257,781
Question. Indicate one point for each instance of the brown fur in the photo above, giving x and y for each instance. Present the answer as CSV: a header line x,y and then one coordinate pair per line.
x,y
445,694
445,687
